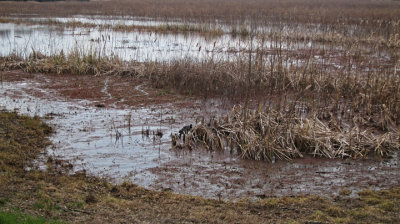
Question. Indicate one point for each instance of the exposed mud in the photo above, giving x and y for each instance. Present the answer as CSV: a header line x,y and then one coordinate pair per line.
x,y
108,126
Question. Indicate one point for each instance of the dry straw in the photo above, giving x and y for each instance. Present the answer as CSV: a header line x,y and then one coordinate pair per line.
x,y
269,135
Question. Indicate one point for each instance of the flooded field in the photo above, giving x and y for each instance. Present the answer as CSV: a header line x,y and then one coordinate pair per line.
x,y
127,45
137,46
197,111
108,138
149,40
119,127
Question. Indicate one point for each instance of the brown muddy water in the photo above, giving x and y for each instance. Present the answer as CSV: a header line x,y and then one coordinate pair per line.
x,y
109,142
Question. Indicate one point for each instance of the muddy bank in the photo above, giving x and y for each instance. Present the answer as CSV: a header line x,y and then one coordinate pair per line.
x,y
101,125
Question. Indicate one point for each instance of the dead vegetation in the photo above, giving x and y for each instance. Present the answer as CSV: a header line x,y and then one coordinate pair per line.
x,y
271,135
310,107
324,102
162,28
78,198
303,11
335,22
79,62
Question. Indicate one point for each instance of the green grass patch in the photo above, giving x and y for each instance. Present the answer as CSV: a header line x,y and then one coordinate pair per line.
x,y
18,218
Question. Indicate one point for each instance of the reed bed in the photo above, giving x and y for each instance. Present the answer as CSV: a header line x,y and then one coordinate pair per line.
x,y
305,11
339,98
271,135
280,78
79,62
331,21
308,108
372,96
385,34
209,29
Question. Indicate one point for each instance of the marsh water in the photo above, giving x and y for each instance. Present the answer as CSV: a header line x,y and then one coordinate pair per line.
x,y
113,141
142,46
102,142
128,45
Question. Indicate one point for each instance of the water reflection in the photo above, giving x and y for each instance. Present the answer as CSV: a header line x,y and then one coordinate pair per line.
x,y
127,45
5,33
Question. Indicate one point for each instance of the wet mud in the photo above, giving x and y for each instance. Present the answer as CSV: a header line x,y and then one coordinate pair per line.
x,y
110,127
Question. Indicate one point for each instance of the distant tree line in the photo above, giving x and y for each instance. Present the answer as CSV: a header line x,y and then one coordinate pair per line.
x,y
42,0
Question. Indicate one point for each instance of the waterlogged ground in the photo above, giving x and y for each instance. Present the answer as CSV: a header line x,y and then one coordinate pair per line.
x,y
127,45
151,44
101,125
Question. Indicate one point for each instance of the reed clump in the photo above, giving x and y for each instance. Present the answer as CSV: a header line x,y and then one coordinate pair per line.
x,y
266,134
78,62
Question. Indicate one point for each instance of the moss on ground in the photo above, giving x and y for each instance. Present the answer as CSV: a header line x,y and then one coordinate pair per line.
x,y
43,196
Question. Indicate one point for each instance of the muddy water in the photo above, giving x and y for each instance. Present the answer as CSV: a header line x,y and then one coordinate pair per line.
x,y
101,141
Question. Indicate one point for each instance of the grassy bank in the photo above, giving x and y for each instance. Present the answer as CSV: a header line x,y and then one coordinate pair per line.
x,y
53,195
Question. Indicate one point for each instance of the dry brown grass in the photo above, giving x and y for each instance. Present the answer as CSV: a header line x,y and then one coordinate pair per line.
x,y
354,86
368,97
325,21
301,11
201,29
271,135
